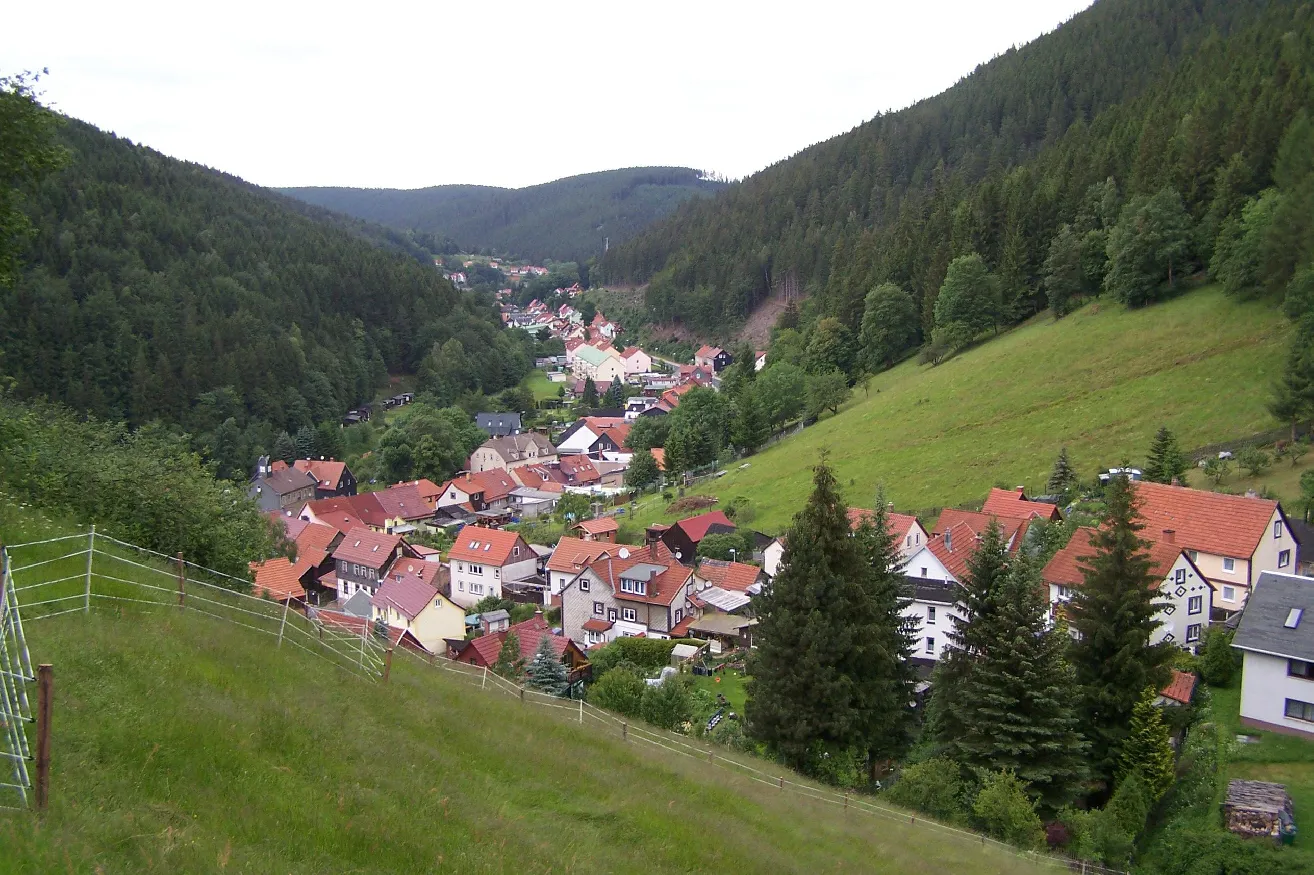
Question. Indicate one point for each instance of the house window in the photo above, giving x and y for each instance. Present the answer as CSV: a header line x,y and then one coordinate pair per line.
x,y
907,542
598,609
497,572
1229,593
476,569
611,614
679,615
930,616
1195,604
1298,668
1284,558
1064,592
583,584
1180,575
460,586
1298,710
1229,564
1192,633
630,615
1277,530
477,588
515,551
923,571
930,645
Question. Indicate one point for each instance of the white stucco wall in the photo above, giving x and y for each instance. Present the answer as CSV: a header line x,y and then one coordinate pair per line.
x,y
1265,687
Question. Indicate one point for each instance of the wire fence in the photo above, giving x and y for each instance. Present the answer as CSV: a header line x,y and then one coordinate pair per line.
x,y
15,707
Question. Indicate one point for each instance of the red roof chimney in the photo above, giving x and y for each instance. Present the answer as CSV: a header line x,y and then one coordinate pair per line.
x,y
1020,489
1170,535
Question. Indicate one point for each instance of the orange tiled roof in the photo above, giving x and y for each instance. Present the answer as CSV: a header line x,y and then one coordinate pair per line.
x,y
367,547
315,538
572,554
696,526
279,578
1064,568
1181,688
734,576
487,546
898,524
599,527
1013,504
1012,529
663,588
327,472
1210,522
659,455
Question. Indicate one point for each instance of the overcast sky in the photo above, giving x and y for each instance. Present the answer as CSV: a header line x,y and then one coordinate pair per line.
x,y
412,94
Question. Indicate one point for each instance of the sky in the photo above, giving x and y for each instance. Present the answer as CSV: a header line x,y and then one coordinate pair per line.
x,y
406,95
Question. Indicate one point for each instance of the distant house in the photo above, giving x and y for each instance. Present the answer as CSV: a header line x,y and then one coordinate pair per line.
x,y
484,650
908,533
1014,504
713,357
1231,538
364,559
283,490
483,559
635,360
1184,593
573,555
604,529
498,424
599,366
759,360
416,605
1276,639
682,538
594,435
512,451
404,509
332,478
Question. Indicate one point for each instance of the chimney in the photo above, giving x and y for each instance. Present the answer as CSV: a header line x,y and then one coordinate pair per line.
x,y
1176,482
1170,536
949,541
1020,489
889,505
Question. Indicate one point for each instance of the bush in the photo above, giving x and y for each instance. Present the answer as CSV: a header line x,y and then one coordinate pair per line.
x,y
1218,661
1003,809
933,787
668,705
620,690
839,767
648,654
1131,804
1254,460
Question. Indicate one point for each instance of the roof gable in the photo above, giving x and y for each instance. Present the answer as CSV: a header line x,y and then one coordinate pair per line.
x,y
1210,522
1065,569
365,547
410,595
574,554
696,526
1013,504
484,546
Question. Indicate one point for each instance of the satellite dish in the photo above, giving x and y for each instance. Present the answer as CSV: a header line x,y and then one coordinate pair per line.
x,y
624,553
679,555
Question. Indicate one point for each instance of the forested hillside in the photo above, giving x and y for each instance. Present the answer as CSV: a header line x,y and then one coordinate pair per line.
x,y
1188,101
566,220
155,289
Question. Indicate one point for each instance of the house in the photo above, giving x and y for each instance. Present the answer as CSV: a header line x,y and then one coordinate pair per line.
x,y
635,360
279,579
572,347
479,491
315,545
332,478
333,512
1276,639
491,622
512,451
530,503
759,359
593,435
364,558
573,555
772,556
498,424
933,605
1231,538
637,405
604,529
636,591
713,357
1014,504
695,375
482,559
1180,690
682,538
601,367
282,490
1303,533
908,533
484,650
403,508
415,604
1182,591
579,471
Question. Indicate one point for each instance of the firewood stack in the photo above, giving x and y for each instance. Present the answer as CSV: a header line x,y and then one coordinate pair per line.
x,y
1257,808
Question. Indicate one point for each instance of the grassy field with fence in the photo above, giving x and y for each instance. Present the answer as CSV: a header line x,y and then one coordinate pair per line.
x,y
224,734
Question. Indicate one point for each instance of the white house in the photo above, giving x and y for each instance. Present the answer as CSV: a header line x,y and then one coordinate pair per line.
x,y
1183,591
483,559
934,605
601,367
1276,639
1230,538
636,361
909,534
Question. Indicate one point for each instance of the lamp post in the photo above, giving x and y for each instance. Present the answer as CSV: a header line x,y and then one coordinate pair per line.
x,y
734,554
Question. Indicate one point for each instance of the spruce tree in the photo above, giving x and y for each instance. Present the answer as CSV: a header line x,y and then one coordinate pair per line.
x,y
812,686
305,442
546,672
1148,750
1063,477
749,430
1015,700
284,447
1113,613
1166,461
590,397
615,395
509,663
888,675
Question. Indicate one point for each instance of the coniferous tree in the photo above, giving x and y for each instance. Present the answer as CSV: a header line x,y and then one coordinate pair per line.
x,y
1014,702
590,397
1166,461
888,677
284,448
1064,278
547,674
1113,613
1063,477
814,673
749,430
615,395
510,664
1148,750
305,442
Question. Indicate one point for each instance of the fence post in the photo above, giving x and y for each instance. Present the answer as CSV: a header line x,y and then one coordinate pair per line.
x,y
709,756
364,629
483,682
283,624
182,582
91,551
625,731
581,710
45,688
522,695
782,782
387,664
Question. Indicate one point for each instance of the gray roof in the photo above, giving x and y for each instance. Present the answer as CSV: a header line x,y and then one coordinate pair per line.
x,y
359,604
495,616
498,423
1263,627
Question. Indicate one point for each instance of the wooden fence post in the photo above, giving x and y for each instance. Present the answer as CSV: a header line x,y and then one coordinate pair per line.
x,y
283,623
45,689
91,551
182,581
581,710
483,682
387,664
625,731
782,782
522,695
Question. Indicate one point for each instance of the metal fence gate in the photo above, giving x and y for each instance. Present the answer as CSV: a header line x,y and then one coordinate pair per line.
x,y
15,706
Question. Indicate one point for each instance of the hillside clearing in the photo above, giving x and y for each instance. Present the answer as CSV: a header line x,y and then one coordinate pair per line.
x,y
1099,381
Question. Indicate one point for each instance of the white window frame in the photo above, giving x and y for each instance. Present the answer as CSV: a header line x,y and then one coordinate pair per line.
x,y
583,584
611,614
1192,633
1284,558
1195,604
1277,530
930,644
1229,564
477,588
630,615
599,609
1229,598
476,569
930,616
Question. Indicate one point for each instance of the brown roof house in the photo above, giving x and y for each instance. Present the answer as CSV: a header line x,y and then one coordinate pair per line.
x,y
512,451
637,591
484,559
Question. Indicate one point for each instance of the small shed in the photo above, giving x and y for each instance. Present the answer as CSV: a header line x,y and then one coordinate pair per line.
x,y
1259,808
683,652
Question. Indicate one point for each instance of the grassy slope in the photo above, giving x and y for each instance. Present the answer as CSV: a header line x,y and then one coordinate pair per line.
x,y
1099,381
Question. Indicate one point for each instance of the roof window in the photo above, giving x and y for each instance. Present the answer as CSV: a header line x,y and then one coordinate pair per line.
x,y
1293,618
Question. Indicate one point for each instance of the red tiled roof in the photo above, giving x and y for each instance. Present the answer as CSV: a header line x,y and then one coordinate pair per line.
x,y
495,484
696,526
359,625
366,547
629,351
327,472
1064,568
364,507
410,595
707,352
403,501
529,634
735,576
663,588
579,469
493,547
572,554
681,629
595,624
279,578
1013,504
292,525
1210,522
315,538
898,524
1012,529
954,556
599,527
672,396
1181,688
